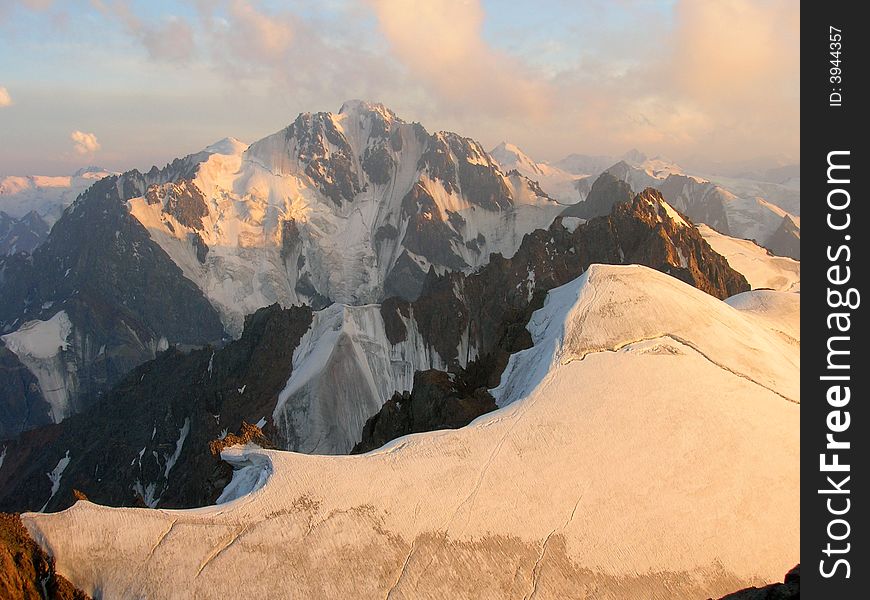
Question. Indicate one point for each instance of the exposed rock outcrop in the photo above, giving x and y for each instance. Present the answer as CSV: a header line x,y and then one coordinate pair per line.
x,y
26,571
439,401
606,192
23,234
789,589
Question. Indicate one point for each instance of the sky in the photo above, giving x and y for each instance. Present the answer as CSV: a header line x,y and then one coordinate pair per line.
x,y
130,83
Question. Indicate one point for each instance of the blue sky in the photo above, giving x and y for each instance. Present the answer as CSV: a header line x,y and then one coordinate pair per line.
x,y
152,80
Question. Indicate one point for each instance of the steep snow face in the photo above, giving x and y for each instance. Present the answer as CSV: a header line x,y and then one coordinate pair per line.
x,y
557,183
48,196
652,460
349,207
344,369
760,268
40,346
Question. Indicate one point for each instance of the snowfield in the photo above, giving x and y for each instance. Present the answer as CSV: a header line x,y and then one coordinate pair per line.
x,y
648,447
761,269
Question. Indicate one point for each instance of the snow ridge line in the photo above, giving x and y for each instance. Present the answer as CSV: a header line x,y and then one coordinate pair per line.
x,y
688,344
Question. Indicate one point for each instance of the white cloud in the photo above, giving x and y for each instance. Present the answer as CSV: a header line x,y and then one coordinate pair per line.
x,y
84,143
5,98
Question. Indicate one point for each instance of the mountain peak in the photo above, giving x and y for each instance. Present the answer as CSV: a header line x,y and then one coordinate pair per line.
x,y
510,156
360,107
634,156
228,145
90,169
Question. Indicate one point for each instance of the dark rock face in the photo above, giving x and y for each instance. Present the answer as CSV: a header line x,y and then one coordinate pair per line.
x,y
26,571
121,291
405,279
439,401
148,439
183,200
332,171
790,589
786,240
378,165
21,235
606,192
392,311
428,233
22,405
700,201
494,304
199,244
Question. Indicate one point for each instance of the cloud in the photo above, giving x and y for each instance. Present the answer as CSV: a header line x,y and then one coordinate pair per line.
x,y
687,79
441,45
84,143
5,98
170,40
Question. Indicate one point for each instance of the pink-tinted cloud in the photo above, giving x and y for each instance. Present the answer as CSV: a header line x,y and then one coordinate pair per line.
x,y
441,45
84,143
5,98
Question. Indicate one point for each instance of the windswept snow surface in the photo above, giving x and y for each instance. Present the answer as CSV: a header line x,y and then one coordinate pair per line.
x,y
761,269
39,346
651,451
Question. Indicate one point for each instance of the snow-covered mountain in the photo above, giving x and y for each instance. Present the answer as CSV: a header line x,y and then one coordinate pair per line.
x,y
48,196
562,185
349,207
320,381
764,207
595,474
734,210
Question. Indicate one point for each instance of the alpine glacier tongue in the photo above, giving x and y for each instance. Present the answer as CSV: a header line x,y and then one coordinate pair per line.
x,y
589,479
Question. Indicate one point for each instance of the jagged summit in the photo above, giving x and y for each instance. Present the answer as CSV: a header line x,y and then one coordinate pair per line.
x,y
359,107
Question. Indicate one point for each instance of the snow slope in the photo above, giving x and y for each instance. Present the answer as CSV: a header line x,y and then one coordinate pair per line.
x,y
761,269
556,182
651,451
